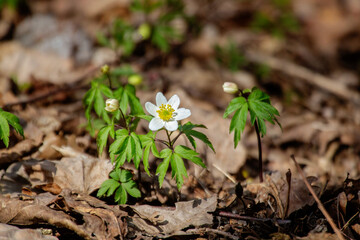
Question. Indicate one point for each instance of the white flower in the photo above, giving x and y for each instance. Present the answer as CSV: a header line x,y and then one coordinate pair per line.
x,y
230,87
166,113
112,105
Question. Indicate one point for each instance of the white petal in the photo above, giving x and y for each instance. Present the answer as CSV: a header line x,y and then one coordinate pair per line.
x,y
151,108
160,99
174,101
171,125
182,113
155,124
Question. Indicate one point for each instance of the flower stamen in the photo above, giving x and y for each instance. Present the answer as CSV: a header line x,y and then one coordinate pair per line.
x,y
166,112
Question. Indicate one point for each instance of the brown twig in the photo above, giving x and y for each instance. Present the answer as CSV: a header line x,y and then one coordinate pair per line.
x,y
320,205
247,218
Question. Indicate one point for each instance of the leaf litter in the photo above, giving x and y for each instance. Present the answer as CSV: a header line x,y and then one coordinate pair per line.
x,y
48,179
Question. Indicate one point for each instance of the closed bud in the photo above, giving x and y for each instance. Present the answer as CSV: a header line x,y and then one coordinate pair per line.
x,y
135,79
230,87
144,30
105,69
112,105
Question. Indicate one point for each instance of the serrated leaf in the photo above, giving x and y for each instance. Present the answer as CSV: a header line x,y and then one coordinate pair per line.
x,y
137,150
178,169
116,174
4,130
187,129
117,145
189,154
125,176
135,105
121,195
238,123
146,159
164,165
235,104
13,121
106,91
200,136
146,117
102,138
132,189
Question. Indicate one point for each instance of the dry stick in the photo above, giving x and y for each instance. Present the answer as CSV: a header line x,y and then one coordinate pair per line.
x,y
247,218
320,205
305,74
225,173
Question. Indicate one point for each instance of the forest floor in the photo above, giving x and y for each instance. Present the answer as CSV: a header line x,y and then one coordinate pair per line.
x,y
305,54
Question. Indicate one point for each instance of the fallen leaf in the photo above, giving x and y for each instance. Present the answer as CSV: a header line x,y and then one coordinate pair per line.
x,y
162,221
8,232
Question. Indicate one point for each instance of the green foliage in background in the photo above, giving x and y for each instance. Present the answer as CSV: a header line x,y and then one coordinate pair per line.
x,y
6,120
258,104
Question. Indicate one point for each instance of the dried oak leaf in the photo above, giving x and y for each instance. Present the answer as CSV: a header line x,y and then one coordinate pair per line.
x,y
8,232
157,221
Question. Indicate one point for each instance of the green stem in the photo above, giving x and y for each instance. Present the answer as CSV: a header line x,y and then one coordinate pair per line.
x,y
109,79
260,152
170,142
123,117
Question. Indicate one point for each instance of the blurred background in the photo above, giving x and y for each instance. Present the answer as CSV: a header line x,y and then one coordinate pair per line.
x,y
304,53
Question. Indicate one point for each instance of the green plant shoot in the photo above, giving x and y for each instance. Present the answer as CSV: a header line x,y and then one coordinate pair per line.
x,y
258,104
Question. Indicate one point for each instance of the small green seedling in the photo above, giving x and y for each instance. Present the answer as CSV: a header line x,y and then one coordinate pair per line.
x,y
120,115
7,119
258,104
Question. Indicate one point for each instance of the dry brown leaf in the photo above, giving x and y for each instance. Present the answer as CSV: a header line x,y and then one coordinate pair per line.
x,y
158,221
8,232
96,219
276,186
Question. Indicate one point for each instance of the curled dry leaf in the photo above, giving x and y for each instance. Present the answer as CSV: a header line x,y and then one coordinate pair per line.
x,y
8,232
276,186
86,216
82,173
157,221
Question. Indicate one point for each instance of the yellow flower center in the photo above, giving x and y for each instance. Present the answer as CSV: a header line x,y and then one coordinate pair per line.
x,y
166,112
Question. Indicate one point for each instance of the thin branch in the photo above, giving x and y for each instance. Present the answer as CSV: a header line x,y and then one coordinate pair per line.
x,y
320,205
247,218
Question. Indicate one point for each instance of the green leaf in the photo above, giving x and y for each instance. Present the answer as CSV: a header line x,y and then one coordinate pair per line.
x,y
108,187
13,121
146,158
164,165
117,146
146,117
135,105
4,130
235,104
125,176
102,138
116,174
121,195
238,123
178,169
189,154
137,153
187,129
132,189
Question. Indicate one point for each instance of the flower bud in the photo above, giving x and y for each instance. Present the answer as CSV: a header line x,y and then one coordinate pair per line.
x,y
112,105
230,87
144,30
135,79
105,69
